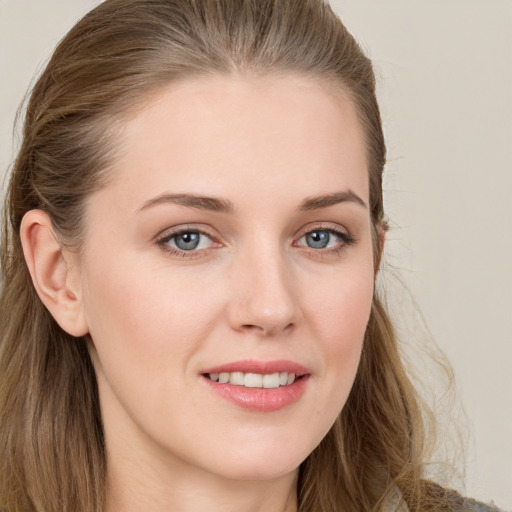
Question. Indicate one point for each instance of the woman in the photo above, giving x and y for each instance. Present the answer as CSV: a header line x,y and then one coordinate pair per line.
x,y
194,226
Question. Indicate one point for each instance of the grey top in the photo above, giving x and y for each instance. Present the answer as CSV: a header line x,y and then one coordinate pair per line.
x,y
476,506
394,503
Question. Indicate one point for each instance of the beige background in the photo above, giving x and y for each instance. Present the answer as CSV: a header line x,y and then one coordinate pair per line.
x,y
445,71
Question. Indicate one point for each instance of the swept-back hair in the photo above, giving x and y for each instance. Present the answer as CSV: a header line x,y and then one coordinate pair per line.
x,y
52,453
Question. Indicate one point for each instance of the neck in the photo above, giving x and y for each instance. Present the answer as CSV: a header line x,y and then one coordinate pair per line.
x,y
135,485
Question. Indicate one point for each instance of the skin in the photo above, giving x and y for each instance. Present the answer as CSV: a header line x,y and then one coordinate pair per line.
x,y
253,289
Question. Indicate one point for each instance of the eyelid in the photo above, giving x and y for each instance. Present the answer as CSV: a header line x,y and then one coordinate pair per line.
x,y
168,234
323,226
185,228
162,239
346,238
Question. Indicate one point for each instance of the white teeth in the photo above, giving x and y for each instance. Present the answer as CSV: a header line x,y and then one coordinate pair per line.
x,y
223,377
236,378
254,380
271,381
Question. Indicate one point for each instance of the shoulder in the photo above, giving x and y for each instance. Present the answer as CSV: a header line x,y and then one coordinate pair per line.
x,y
471,505
452,501
447,500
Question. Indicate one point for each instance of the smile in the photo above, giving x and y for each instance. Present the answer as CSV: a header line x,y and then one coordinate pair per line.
x,y
254,380
260,386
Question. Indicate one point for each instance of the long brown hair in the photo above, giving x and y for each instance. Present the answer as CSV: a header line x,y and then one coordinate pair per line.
x,y
52,453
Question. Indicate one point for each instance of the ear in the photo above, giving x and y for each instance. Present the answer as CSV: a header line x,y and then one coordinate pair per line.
x,y
381,231
54,273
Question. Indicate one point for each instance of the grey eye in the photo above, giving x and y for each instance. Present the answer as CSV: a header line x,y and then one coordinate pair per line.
x,y
187,241
318,239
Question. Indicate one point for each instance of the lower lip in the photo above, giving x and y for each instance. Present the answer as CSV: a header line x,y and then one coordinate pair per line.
x,y
260,399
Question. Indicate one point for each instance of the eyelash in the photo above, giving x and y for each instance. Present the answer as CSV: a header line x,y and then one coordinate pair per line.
x,y
163,243
345,239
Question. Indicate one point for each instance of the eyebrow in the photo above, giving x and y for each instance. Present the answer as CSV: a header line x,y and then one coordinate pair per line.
x,y
192,201
224,206
315,203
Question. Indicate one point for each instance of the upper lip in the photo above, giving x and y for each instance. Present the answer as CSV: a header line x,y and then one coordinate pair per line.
x,y
262,367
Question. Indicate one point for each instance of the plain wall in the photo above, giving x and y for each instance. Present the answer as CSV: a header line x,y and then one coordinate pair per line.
x,y
445,80
445,85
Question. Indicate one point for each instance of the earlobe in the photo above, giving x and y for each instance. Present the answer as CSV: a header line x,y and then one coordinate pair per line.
x,y
54,276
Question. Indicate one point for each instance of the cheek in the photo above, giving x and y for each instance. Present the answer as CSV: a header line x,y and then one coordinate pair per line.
x,y
340,309
339,316
143,326
145,333
141,305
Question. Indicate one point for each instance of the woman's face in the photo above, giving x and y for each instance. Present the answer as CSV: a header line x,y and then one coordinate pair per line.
x,y
227,275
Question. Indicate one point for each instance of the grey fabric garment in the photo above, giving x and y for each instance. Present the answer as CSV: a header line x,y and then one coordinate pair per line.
x,y
393,504
476,506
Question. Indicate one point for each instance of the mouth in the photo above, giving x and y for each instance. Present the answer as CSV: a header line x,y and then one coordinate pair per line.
x,y
260,386
254,380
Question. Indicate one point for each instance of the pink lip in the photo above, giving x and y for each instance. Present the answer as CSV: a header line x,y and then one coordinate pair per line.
x,y
260,399
263,367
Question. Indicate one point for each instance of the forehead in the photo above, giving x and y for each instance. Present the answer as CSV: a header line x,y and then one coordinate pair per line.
x,y
221,135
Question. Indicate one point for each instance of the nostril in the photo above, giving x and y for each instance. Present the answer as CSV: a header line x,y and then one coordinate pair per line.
x,y
250,327
267,330
264,307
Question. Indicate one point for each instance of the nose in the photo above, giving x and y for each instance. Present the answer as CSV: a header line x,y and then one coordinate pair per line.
x,y
264,300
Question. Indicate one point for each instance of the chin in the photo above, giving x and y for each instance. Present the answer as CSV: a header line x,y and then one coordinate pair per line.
x,y
264,471
264,461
